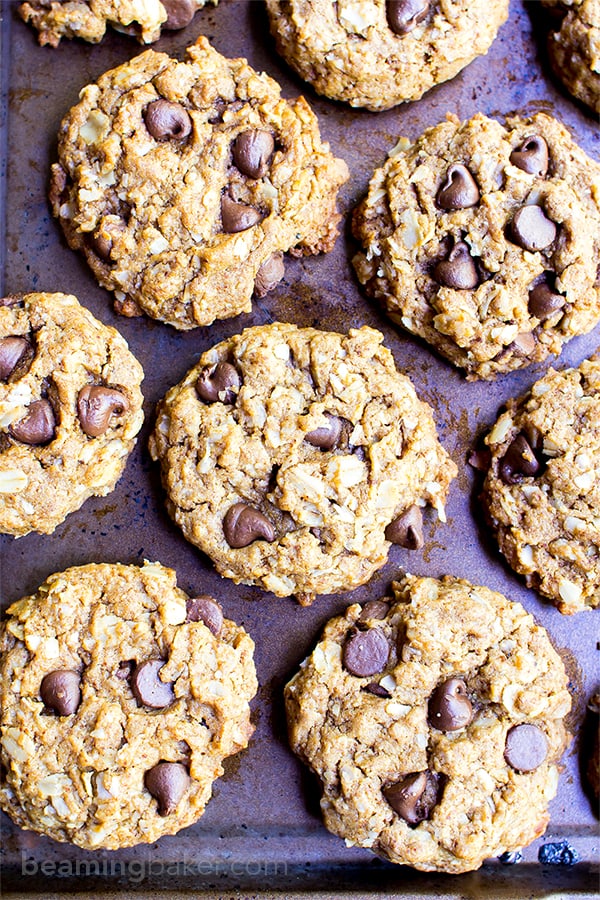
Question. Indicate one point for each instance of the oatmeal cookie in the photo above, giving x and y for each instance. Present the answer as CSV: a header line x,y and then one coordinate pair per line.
x,y
542,491
120,699
434,719
184,183
295,457
70,409
376,54
574,47
484,240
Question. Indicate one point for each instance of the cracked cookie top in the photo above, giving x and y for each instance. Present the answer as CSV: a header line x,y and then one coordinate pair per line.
x,y
434,720
184,183
70,409
121,697
484,240
295,457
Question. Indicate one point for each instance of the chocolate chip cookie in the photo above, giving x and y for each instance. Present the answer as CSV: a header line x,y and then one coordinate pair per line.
x,y
70,409
434,720
294,458
121,697
378,53
484,240
574,47
89,19
184,183
542,491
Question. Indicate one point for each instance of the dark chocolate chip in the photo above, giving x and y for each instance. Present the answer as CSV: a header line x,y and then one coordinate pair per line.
x,y
327,436
559,853
519,461
96,405
366,652
403,15
270,273
13,350
449,707
179,13
524,343
252,152
38,426
459,190
167,121
544,302
205,609
414,797
244,524
101,242
220,382
238,216
376,689
61,691
526,747
510,857
374,609
167,782
407,529
531,228
458,270
532,156
147,687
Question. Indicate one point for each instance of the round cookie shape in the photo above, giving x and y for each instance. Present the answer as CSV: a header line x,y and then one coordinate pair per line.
x,y
110,769
483,239
70,409
573,47
89,19
288,475
380,53
184,183
541,493
441,795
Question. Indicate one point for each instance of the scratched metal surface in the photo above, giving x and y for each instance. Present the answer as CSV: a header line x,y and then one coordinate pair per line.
x,y
262,830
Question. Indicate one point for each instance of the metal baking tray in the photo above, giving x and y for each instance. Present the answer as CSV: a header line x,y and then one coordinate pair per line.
x,y
262,833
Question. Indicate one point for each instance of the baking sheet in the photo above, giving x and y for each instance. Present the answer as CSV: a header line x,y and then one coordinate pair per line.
x,y
262,831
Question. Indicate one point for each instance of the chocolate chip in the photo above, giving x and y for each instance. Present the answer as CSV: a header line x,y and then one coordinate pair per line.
x,y
205,609
526,747
544,302
238,216
101,242
270,273
13,350
96,405
147,687
167,782
38,426
179,13
252,151
244,524
458,270
414,797
531,229
61,691
449,707
403,15
407,529
374,609
518,461
376,689
327,436
524,343
532,156
167,121
558,853
459,190
366,652
220,382
510,857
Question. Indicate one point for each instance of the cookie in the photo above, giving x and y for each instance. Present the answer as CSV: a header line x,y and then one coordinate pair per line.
x,y
89,19
377,54
592,770
184,183
70,409
121,697
541,493
433,719
295,457
573,47
483,239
